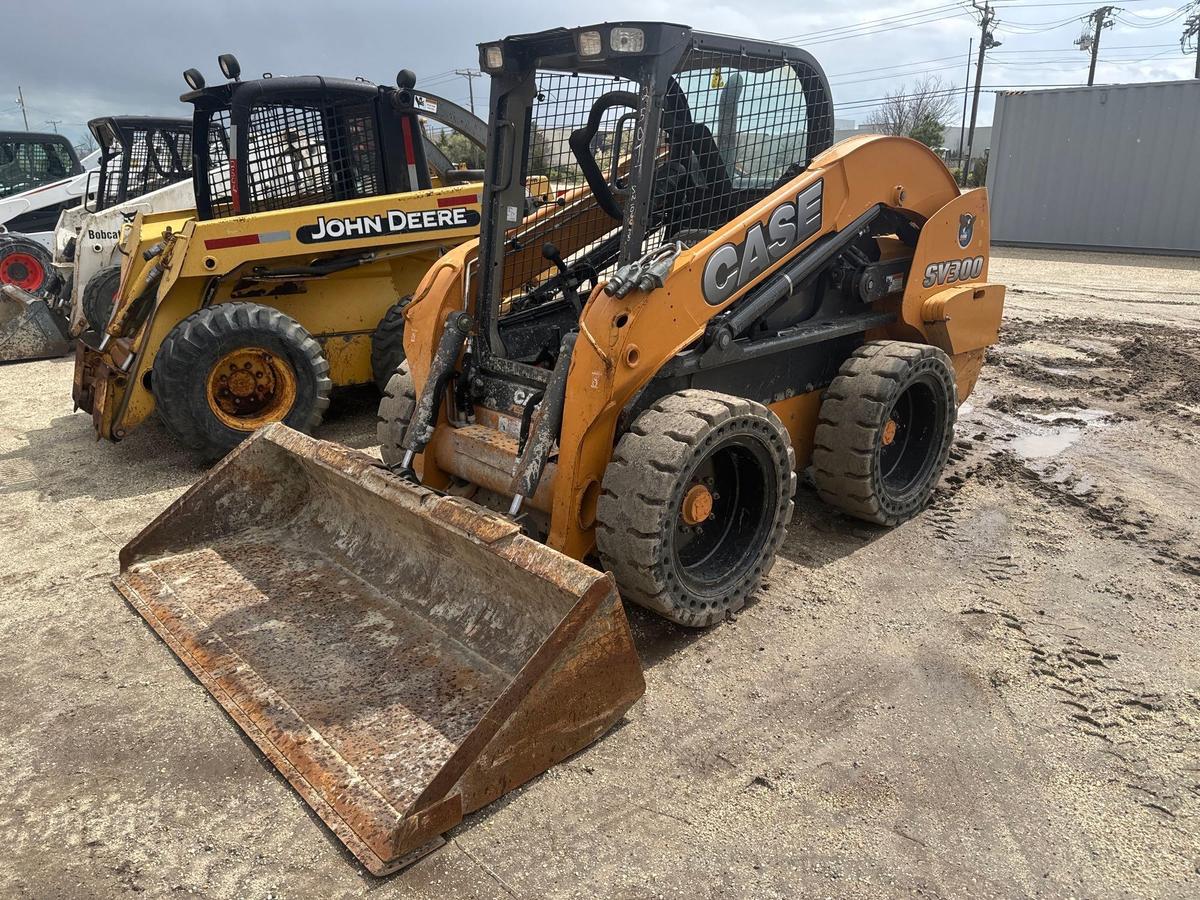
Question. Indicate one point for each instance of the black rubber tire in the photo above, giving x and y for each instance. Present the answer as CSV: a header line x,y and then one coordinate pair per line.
x,y
99,294
395,412
641,535
193,347
19,243
387,344
883,381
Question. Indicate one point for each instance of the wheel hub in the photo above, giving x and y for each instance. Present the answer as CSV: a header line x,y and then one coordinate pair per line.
x,y
697,505
250,387
23,270
889,432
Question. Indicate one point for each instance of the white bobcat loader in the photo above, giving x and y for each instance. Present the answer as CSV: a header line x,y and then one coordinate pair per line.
x,y
47,293
146,167
40,175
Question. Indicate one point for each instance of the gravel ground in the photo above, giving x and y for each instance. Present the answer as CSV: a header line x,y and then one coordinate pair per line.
x,y
998,699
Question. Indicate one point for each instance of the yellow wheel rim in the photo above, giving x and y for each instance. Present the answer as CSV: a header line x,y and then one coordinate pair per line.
x,y
250,387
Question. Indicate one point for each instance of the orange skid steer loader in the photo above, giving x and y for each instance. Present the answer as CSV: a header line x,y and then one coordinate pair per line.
x,y
628,378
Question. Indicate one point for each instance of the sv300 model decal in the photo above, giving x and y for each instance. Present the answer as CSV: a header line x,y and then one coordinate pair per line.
x,y
952,271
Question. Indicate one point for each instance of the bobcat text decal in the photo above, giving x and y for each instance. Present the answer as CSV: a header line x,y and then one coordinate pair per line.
x,y
732,266
394,221
952,270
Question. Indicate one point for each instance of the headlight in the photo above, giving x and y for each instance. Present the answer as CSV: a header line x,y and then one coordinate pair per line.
x,y
493,58
590,43
230,67
627,40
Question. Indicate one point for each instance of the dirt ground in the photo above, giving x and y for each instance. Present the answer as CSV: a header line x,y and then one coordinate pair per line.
x,y
998,699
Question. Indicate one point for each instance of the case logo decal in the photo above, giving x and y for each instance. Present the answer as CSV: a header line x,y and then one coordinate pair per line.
x,y
733,266
966,229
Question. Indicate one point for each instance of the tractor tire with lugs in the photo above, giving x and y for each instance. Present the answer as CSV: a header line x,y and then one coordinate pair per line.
x,y
99,295
695,503
387,344
395,412
229,369
884,431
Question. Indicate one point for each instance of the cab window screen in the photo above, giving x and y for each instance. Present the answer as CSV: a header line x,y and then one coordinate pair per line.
x,y
25,165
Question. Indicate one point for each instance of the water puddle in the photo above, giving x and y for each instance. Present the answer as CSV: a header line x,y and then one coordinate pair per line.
x,y
1032,440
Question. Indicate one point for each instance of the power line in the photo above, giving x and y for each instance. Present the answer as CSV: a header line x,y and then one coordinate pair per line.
x,y
870,23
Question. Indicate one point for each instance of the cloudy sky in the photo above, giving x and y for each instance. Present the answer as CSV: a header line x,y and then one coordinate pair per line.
x,y
86,58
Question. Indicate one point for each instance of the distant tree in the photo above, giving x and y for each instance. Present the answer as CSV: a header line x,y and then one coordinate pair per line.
x,y
920,112
459,150
86,144
929,131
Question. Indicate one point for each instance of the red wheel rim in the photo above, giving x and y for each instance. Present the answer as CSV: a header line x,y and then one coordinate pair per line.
x,y
24,270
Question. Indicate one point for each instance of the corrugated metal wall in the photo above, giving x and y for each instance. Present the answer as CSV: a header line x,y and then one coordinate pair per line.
x,y
1114,167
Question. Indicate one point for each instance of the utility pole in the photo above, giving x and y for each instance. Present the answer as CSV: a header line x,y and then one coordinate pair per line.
x,y
1191,31
470,75
21,103
54,123
986,42
962,131
1101,18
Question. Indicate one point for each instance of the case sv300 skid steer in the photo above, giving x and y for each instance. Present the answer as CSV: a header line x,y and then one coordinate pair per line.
x,y
630,376
320,204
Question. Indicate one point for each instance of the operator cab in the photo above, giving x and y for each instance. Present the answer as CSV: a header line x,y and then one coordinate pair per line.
x,y
287,142
651,135
29,159
138,155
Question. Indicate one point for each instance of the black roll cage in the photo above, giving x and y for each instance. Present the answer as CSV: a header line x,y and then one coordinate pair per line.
x,y
390,106
115,136
513,92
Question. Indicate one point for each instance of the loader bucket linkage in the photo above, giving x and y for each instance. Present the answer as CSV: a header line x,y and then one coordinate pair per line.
x,y
403,658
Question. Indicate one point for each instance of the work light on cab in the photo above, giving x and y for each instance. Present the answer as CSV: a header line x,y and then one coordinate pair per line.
x,y
627,40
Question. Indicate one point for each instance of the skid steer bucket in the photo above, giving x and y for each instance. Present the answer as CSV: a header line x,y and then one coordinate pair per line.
x,y
28,327
402,657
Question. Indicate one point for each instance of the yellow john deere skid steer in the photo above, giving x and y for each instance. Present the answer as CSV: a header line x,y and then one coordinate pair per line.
x,y
630,376
320,204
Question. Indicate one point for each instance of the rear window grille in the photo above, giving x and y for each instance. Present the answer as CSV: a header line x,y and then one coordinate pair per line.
x,y
220,195
27,164
305,155
735,128
157,158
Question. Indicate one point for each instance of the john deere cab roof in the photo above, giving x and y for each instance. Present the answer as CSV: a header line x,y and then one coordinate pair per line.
x,y
291,141
139,154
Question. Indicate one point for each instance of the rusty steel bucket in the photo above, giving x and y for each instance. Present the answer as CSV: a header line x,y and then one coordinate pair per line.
x,y
29,329
402,657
